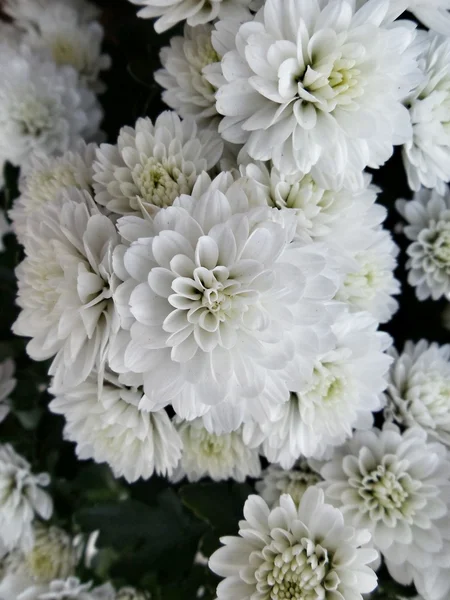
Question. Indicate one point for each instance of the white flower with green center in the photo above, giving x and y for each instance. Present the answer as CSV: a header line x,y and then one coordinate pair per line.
x,y
21,498
109,426
195,12
343,391
418,392
153,164
44,109
307,78
294,551
276,481
186,89
47,177
397,486
428,228
216,456
7,385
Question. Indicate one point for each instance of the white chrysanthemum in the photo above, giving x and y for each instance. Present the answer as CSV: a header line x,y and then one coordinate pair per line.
x,y
44,109
276,481
69,589
418,392
109,426
53,556
7,384
294,551
427,155
129,593
226,313
195,12
186,89
153,164
28,13
433,13
307,79
66,283
47,177
397,486
428,228
216,456
340,396
21,498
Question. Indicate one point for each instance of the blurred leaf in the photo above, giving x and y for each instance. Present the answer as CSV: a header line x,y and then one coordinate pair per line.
x,y
11,189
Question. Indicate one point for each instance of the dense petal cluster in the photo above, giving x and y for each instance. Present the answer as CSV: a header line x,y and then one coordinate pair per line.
x,y
276,481
68,589
297,551
428,228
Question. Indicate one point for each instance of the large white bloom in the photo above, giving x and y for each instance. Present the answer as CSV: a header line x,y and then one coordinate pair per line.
x,y
7,384
46,179
27,13
196,12
428,227
276,481
307,80
108,425
398,486
44,109
341,395
294,551
66,283
186,89
427,155
53,556
226,313
216,456
60,28
153,164
419,388
68,589
21,498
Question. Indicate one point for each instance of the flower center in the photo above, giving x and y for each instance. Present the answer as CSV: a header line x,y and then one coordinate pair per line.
x,y
441,247
302,572
32,116
159,183
432,389
385,493
211,445
328,384
65,53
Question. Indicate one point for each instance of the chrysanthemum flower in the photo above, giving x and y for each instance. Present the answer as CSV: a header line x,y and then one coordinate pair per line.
x,y
69,589
433,13
276,481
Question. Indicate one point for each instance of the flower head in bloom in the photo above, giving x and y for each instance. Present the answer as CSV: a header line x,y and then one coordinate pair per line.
x,y
428,228
21,498
276,481
224,311
340,396
433,13
108,426
66,282
153,164
195,12
397,486
419,388
44,109
186,89
219,457
305,80
27,13
427,155
68,589
294,551
7,384
47,177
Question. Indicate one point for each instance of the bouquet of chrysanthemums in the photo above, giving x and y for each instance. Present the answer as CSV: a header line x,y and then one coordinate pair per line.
x,y
224,299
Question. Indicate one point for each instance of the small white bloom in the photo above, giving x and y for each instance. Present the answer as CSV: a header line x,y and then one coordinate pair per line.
x,y
44,109
47,177
340,396
276,481
224,311
418,392
195,12
7,384
433,13
216,456
69,589
153,164
297,551
109,426
310,106
186,89
66,283
427,155
397,486
428,227
21,498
